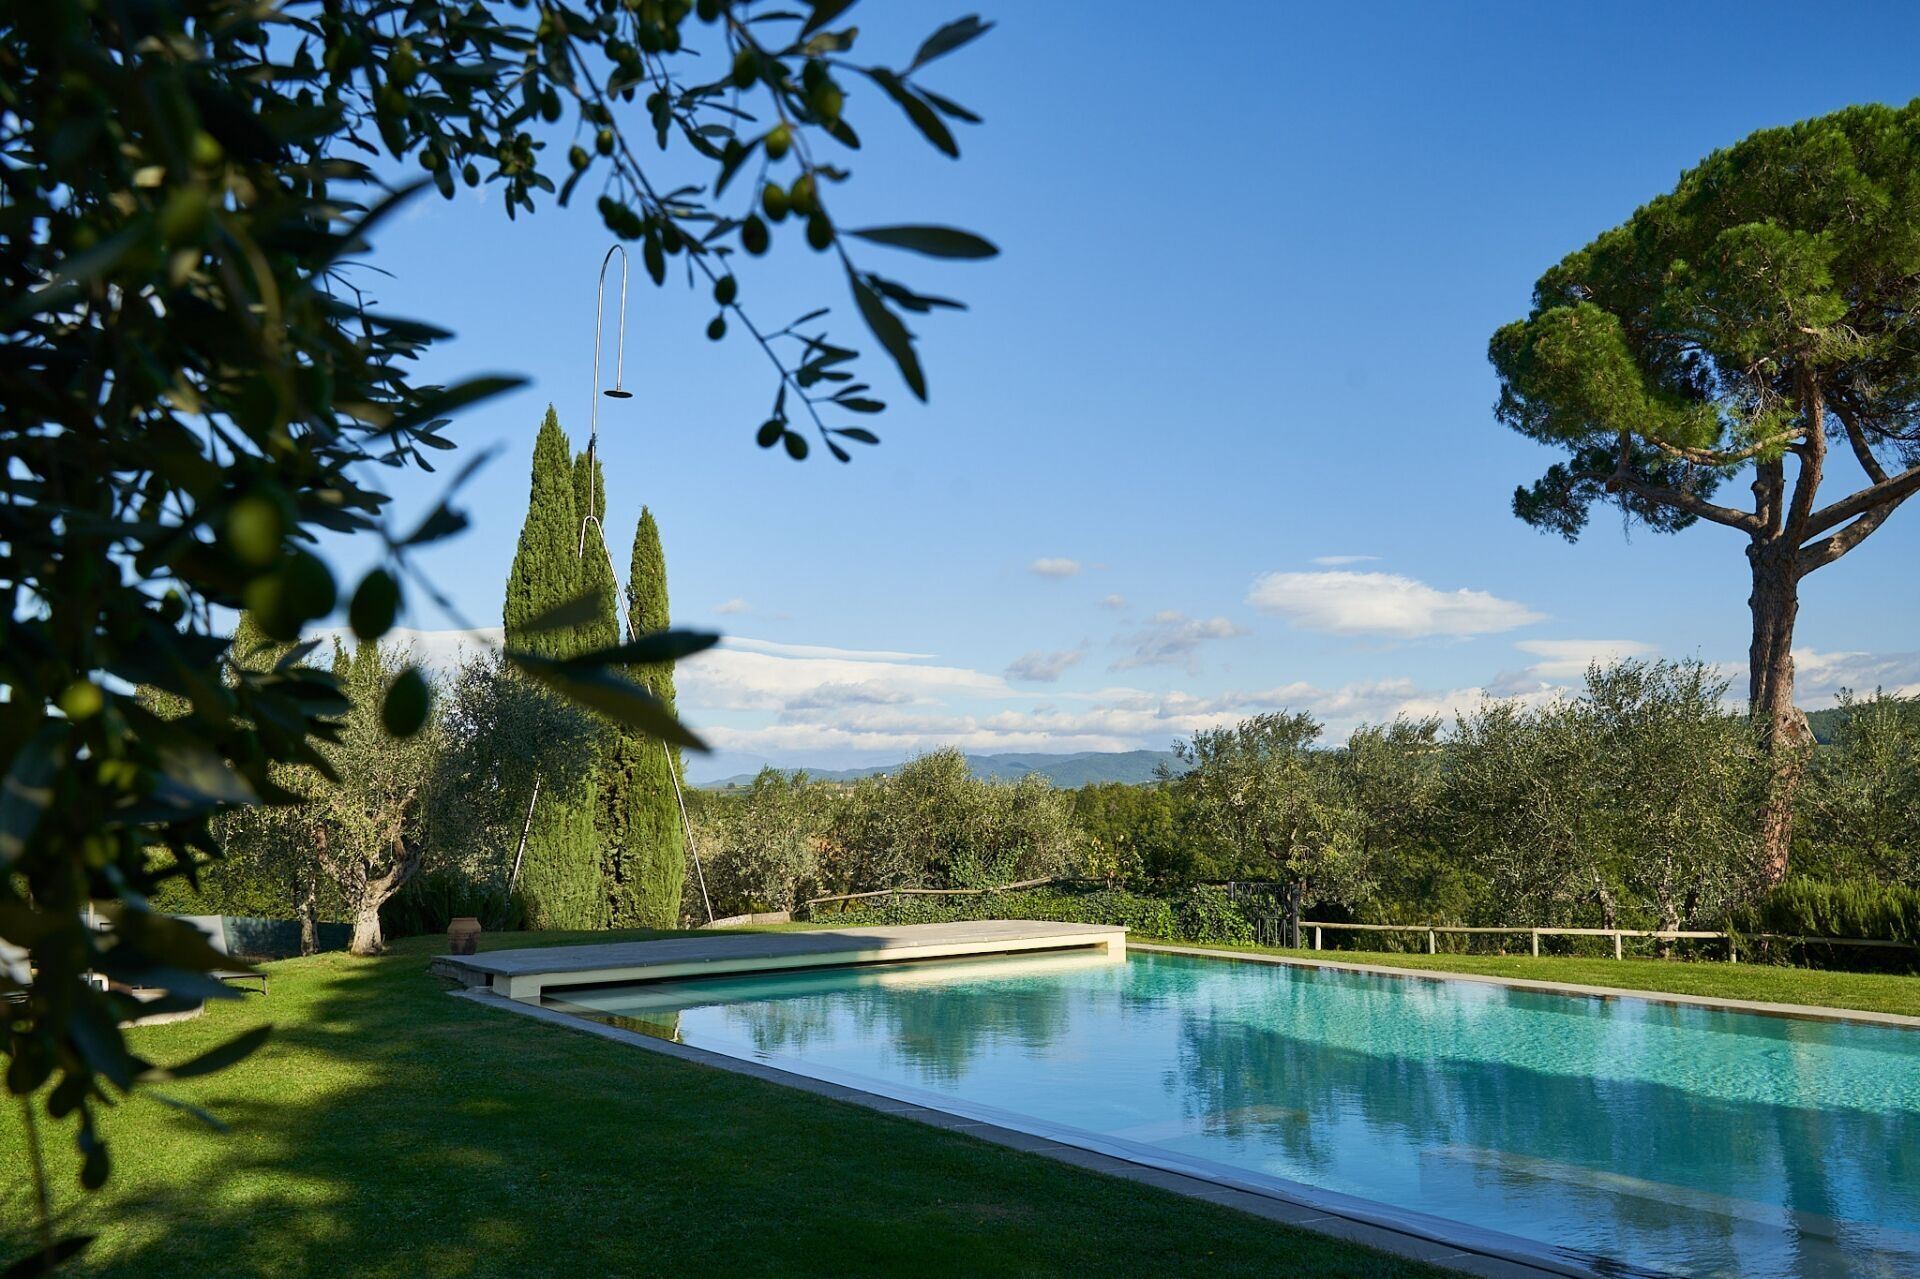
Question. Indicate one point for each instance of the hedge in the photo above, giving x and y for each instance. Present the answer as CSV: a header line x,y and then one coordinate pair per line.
x,y
1203,914
428,903
1835,908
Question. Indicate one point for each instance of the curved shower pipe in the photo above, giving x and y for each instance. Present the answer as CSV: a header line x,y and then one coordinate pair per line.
x,y
616,392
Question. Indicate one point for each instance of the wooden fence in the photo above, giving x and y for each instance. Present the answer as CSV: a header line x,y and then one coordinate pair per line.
x,y
927,892
1270,925
1732,940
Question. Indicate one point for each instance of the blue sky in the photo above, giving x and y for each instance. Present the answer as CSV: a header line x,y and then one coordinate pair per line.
x,y
1235,340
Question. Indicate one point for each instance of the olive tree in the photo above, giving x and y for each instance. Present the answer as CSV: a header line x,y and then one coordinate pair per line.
x,y
1257,789
1524,802
932,824
1758,324
1864,800
1676,778
761,848
370,812
504,739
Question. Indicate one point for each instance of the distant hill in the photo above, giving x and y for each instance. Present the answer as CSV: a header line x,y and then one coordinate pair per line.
x,y
1081,768
1827,724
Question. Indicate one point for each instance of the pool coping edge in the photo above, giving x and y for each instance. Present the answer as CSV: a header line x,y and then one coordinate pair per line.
x,y
1814,1012
1271,1205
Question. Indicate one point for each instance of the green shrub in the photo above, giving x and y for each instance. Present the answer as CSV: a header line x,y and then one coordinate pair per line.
x,y
1835,908
1202,914
1207,914
429,902
1147,916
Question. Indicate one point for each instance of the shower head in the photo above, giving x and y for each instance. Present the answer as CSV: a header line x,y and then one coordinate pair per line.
x,y
618,390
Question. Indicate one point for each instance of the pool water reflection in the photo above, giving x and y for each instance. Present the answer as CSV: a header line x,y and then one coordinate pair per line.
x,y
1660,1137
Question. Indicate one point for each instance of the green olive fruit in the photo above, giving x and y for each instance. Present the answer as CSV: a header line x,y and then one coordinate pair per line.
x,y
819,231
802,197
774,202
746,69
753,236
255,526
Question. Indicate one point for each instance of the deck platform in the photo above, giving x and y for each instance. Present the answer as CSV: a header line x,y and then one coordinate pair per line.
x,y
527,974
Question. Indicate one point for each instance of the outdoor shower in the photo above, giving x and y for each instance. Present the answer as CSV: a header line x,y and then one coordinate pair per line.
x,y
593,516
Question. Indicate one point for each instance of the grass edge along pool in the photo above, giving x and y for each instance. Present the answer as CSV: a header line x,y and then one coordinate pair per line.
x,y
1663,1138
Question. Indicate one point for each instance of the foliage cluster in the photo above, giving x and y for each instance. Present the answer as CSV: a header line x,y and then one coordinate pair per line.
x,y
1147,916
1632,804
1801,906
406,834
195,385
930,824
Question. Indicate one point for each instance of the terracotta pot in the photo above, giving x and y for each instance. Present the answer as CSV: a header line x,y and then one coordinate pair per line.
x,y
463,935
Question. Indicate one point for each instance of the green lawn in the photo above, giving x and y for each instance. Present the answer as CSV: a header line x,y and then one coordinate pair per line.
x,y
388,1129
1871,992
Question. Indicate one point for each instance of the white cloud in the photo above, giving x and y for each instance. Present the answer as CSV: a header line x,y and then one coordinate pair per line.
x,y
1347,603
439,650
734,605
1171,638
1041,667
747,674
1337,561
1054,567
822,650
1114,601
1818,678
1115,719
1566,660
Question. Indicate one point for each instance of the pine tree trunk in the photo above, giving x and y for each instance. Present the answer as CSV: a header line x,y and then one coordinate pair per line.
x,y
1784,733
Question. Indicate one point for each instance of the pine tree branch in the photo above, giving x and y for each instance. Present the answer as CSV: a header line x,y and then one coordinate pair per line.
x,y
1825,551
1858,440
1679,499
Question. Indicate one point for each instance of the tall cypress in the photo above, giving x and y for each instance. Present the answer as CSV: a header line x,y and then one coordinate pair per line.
x,y
560,876
648,861
595,560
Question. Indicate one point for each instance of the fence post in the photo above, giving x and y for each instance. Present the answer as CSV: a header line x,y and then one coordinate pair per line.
x,y
1316,937
1616,945
1433,943
1536,943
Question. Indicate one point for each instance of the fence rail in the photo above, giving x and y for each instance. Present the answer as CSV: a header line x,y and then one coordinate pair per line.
x,y
1733,940
1270,924
930,892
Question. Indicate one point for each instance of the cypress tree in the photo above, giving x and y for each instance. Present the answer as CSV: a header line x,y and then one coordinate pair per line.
x,y
546,569
561,874
595,561
647,842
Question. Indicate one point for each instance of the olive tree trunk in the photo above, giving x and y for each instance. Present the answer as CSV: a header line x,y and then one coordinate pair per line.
x,y
309,914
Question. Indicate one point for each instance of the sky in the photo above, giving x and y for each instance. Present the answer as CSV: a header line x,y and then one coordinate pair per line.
x,y
1215,435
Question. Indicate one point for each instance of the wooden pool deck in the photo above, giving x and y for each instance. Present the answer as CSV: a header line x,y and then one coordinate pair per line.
x,y
526,974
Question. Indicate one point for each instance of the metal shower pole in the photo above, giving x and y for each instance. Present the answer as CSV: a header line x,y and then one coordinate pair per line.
x,y
619,392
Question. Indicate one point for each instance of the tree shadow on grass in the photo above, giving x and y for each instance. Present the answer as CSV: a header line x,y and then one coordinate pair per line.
x,y
388,1129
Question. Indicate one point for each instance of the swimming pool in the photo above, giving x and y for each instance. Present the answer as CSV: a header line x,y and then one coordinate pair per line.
x,y
1659,1138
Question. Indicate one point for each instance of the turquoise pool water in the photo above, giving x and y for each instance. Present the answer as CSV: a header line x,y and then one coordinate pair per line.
x,y
1660,1138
